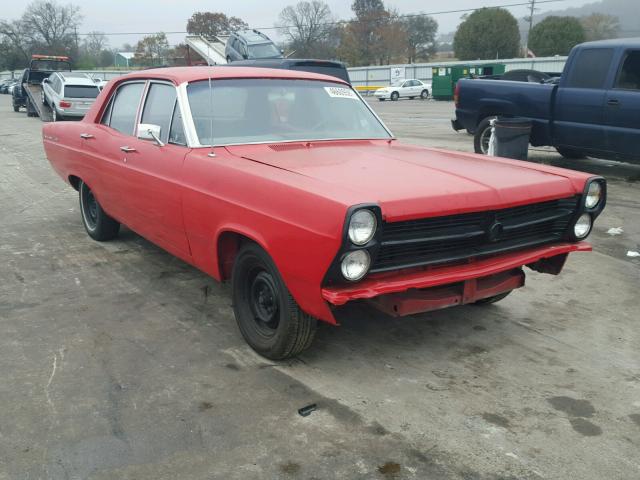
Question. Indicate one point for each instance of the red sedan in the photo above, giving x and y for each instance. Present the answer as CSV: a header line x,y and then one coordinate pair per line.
x,y
289,185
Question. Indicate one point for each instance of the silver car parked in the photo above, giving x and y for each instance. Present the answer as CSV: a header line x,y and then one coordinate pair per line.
x,y
69,94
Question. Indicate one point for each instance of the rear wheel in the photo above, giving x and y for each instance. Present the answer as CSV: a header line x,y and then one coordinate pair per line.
x,y
16,108
269,318
424,94
570,153
482,135
395,96
97,223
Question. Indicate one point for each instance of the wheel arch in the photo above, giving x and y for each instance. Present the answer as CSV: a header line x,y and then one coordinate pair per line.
x,y
227,245
74,181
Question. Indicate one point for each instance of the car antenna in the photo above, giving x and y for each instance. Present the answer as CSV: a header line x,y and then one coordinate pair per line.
x,y
211,153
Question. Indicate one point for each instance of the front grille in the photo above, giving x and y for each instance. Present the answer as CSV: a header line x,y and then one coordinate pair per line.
x,y
439,240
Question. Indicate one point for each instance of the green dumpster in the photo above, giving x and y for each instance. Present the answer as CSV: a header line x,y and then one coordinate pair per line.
x,y
444,78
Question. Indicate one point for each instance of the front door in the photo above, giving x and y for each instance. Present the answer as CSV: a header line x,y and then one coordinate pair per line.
x,y
622,109
579,104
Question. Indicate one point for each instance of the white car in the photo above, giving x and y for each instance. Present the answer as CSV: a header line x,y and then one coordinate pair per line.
x,y
68,94
411,88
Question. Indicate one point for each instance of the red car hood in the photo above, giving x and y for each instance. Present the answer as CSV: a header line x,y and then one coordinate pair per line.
x,y
411,182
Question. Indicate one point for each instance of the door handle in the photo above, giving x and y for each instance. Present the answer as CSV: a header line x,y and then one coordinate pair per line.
x,y
613,102
86,136
127,149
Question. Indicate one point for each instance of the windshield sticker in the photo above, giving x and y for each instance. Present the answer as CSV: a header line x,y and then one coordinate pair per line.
x,y
341,92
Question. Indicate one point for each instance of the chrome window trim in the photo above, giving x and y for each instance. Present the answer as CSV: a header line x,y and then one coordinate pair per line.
x,y
112,98
194,142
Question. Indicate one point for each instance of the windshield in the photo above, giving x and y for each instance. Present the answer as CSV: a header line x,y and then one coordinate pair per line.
x,y
263,50
274,110
80,91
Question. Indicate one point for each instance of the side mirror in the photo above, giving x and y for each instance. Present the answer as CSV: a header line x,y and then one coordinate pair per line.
x,y
46,80
149,131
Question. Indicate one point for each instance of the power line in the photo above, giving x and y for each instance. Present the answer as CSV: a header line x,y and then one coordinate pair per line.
x,y
341,22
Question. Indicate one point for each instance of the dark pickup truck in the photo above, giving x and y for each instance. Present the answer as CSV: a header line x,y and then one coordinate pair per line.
x,y
28,93
593,110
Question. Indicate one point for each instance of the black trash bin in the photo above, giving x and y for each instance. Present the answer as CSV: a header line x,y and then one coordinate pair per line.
x,y
512,137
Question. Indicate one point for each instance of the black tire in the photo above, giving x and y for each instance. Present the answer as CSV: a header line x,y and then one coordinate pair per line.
x,y
570,153
228,59
424,94
482,135
16,108
268,317
97,223
494,299
395,96
411,98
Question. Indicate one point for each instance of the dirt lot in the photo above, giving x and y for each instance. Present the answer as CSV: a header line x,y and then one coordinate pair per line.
x,y
119,361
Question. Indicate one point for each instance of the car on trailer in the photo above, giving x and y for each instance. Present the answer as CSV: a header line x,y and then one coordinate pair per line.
x,y
68,94
337,209
28,93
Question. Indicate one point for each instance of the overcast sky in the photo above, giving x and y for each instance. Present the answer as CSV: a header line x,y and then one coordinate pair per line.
x,y
165,15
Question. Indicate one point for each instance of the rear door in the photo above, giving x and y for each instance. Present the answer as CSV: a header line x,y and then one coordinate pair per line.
x,y
579,105
622,109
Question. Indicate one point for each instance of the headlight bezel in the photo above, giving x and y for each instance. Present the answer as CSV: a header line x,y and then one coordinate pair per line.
x,y
582,208
334,273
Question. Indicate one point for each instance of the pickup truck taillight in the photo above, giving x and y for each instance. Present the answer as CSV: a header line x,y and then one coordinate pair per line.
x,y
64,104
456,95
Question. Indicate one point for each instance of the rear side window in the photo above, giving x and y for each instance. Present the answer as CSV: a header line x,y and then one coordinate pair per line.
x,y
159,107
591,68
80,91
125,107
629,76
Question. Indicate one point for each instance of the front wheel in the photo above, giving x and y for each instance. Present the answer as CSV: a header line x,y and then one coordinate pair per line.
x,y
494,299
268,317
424,95
395,96
97,223
482,136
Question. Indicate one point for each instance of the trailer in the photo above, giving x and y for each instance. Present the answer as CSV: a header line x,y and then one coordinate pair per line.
x,y
30,94
211,49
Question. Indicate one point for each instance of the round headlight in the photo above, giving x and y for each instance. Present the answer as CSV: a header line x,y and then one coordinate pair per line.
x,y
362,226
583,226
355,265
593,195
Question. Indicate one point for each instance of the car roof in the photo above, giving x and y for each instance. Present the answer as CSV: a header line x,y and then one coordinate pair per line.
x,y
252,36
178,75
76,78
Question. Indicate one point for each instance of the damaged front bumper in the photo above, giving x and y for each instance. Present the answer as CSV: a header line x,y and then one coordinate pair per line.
x,y
421,290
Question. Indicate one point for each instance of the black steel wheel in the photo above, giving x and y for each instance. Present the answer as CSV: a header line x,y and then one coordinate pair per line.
x,y
97,223
268,317
482,136
395,96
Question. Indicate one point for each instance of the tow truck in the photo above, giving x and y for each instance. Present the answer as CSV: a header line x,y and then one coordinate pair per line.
x,y
29,93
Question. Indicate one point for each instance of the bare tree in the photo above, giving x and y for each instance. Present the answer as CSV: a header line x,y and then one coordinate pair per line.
x,y
51,26
309,28
94,43
599,26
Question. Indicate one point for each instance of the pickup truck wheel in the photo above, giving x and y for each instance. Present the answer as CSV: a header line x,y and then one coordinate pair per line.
x,y
395,96
97,223
424,94
482,135
268,317
570,153
494,299
16,108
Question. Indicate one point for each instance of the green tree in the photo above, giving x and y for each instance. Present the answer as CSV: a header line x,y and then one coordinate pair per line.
x,y
209,24
599,26
555,36
421,38
152,50
487,33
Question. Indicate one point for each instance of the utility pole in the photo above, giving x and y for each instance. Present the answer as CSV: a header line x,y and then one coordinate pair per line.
x,y
532,7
